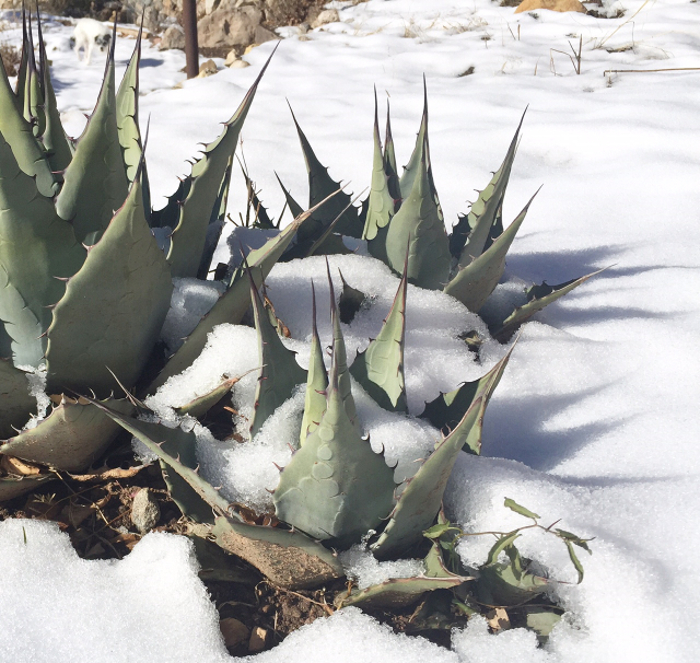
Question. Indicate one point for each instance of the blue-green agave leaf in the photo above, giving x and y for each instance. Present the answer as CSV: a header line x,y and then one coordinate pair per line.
x,y
279,371
419,503
321,186
95,182
16,405
113,309
175,449
382,205
288,559
390,167
18,133
379,368
128,124
350,302
335,488
484,220
447,410
419,224
37,250
209,178
33,103
316,383
231,306
473,284
71,438
538,296
198,407
420,152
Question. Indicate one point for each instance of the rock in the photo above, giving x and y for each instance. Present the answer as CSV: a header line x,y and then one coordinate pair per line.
x,y
257,639
552,5
263,34
207,68
324,17
239,64
227,29
173,37
145,511
234,62
234,631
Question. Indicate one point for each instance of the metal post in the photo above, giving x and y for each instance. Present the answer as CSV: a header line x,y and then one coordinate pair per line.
x,y
189,23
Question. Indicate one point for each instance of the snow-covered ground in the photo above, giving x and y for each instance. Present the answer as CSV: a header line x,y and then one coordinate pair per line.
x,y
594,421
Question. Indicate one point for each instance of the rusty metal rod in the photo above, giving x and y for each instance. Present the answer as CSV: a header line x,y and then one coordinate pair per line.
x,y
189,23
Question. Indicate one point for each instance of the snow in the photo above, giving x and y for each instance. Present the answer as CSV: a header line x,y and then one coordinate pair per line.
x,y
594,420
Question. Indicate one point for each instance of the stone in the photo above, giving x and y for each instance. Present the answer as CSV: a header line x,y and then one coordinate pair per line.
x,y
552,5
207,68
145,511
325,17
263,34
239,64
173,37
228,29
234,631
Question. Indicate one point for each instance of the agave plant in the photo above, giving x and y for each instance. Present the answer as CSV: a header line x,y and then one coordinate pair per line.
x,y
68,260
336,490
405,210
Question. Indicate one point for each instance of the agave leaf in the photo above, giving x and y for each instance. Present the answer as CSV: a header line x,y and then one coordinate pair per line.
x,y
379,368
340,361
11,487
420,152
279,372
36,250
71,438
199,406
288,559
390,160
382,205
261,219
321,186
316,383
125,285
175,448
396,593
231,306
18,133
350,301
294,207
447,410
419,503
58,148
473,284
216,224
128,123
335,488
538,296
23,62
542,620
484,218
419,225
95,183
210,175
33,106
16,405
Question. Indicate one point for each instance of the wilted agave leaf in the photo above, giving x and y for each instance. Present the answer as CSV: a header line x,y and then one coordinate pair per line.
x,y
538,297
447,410
321,186
484,219
209,178
16,405
95,182
419,503
288,559
379,368
473,284
124,284
71,438
11,487
279,372
396,593
316,383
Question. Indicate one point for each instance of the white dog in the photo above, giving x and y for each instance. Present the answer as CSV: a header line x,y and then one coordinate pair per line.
x,y
89,34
